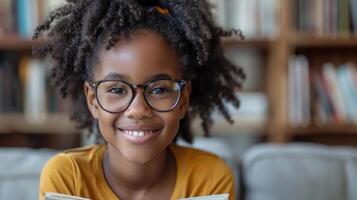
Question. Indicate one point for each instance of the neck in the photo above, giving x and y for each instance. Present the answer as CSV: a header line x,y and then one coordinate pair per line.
x,y
121,173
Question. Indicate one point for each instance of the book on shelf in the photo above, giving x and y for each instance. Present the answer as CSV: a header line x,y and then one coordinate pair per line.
x,y
219,14
50,5
347,81
334,92
22,16
322,106
299,91
25,88
353,10
341,89
11,90
7,21
255,18
326,94
35,90
27,16
344,18
326,17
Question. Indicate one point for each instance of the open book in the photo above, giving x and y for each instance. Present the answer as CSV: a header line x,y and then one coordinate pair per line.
x,y
210,197
57,196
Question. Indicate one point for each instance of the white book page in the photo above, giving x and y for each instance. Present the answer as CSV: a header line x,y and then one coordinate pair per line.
x,y
58,196
210,197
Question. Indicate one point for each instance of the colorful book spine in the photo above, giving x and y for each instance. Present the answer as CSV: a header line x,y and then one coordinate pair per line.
x,y
255,18
324,111
326,17
329,75
353,6
299,91
344,18
35,94
349,93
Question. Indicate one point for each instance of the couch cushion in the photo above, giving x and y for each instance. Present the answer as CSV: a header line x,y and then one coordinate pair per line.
x,y
20,170
300,172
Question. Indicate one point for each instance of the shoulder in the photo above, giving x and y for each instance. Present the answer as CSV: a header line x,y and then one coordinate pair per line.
x,y
66,162
191,152
202,171
196,156
87,153
63,173
71,157
193,159
84,151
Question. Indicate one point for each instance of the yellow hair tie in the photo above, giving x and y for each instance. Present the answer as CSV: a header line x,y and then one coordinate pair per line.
x,y
161,10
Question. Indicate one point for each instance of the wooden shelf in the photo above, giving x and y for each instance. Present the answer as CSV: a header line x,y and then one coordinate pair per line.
x,y
255,43
241,126
15,43
330,129
53,124
304,41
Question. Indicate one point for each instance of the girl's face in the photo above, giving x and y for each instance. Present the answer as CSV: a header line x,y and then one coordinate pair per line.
x,y
138,133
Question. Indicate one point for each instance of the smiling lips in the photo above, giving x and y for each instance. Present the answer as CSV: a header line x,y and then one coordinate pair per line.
x,y
137,133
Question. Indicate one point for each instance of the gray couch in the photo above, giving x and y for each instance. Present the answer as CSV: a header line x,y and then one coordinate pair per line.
x,y
19,172
300,171
296,171
265,172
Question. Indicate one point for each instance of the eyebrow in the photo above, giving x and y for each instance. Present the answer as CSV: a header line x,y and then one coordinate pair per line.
x,y
116,76
111,76
160,76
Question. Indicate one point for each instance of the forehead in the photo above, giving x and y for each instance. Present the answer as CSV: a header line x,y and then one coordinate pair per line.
x,y
143,55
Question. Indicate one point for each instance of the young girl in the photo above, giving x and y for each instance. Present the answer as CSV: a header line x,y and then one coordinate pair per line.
x,y
139,71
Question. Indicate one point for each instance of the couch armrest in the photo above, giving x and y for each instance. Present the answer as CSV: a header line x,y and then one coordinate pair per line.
x,y
20,170
300,172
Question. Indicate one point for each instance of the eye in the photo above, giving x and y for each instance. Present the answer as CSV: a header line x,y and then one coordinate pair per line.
x,y
117,90
159,90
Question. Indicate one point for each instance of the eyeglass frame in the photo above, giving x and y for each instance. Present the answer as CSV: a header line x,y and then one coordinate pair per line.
x,y
133,87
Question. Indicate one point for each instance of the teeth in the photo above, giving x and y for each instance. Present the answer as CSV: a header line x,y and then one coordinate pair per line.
x,y
137,133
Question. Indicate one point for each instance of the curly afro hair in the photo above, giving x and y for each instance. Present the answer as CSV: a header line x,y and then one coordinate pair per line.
x,y
77,31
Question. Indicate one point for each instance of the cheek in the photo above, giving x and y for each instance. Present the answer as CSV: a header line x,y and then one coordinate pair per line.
x,y
106,123
172,122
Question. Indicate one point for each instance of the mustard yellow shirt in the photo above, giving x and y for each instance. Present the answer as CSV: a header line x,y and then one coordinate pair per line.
x,y
79,172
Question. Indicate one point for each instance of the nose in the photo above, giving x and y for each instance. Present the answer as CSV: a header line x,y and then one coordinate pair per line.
x,y
139,109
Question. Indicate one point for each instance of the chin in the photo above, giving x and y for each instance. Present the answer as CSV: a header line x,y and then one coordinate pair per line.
x,y
139,153
138,157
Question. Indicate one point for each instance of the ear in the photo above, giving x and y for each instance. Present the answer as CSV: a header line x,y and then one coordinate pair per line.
x,y
92,102
185,99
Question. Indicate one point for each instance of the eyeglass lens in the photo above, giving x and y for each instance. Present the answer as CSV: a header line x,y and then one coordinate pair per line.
x,y
161,95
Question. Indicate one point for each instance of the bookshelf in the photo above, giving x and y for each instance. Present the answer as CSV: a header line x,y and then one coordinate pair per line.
x,y
273,52
329,129
51,124
303,31
319,49
8,43
301,41
31,113
255,43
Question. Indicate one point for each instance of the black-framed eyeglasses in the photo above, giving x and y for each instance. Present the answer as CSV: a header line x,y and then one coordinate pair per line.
x,y
115,96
